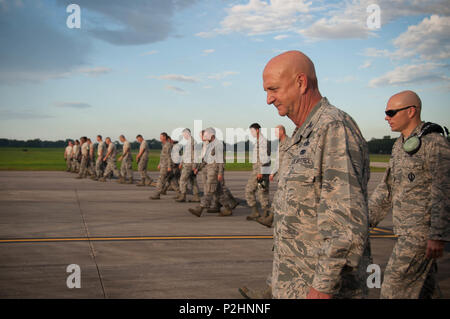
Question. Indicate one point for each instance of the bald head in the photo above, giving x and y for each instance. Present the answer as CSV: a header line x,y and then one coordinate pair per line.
x,y
407,116
291,85
291,64
405,98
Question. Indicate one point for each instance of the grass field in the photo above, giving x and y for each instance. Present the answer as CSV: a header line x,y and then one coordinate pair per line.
x,y
51,159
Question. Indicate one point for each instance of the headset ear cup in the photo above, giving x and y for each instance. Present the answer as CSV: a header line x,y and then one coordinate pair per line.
x,y
412,145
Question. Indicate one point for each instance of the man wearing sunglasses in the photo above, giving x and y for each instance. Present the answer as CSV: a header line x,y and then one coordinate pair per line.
x,y
416,188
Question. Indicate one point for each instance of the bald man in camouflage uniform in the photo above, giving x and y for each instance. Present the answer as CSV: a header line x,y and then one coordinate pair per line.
x,y
111,161
258,182
84,158
321,215
126,168
101,152
165,167
214,164
416,188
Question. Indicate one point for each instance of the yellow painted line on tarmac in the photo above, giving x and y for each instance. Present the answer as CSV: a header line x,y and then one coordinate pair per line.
x,y
73,239
27,240
382,230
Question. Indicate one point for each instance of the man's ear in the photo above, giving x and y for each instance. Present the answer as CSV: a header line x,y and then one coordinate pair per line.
x,y
302,82
412,112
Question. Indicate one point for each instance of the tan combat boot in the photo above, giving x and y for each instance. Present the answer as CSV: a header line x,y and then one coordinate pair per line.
x,y
155,196
212,210
197,211
181,198
103,179
142,182
121,180
267,220
255,213
195,199
130,180
255,293
227,211
148,181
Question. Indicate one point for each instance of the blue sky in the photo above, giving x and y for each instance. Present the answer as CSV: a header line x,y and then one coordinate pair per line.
x,y
142,67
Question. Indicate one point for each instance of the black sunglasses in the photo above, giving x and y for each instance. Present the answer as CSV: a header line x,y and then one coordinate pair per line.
x,y
391,113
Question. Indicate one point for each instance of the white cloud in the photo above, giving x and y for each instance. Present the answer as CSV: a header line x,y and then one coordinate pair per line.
x,y
365,65
176,89
176,77
208,51
149,52
374,53
226,84
412,74
336,28
222,75
260,17
281,37
430,39
318,20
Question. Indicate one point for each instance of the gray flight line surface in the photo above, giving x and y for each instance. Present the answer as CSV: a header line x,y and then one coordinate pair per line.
x,y
55,205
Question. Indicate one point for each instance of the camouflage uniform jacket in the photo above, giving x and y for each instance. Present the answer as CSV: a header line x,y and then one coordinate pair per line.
x,y
214,155
320,205
416,188
165,160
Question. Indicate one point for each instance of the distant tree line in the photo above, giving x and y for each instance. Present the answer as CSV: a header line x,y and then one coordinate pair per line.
x,y
4,142
381,145
376,145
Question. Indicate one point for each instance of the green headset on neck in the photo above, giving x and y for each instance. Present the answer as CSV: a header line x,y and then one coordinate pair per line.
x,y
413,143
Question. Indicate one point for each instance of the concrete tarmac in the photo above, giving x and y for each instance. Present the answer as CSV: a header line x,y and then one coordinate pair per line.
x,y
128,246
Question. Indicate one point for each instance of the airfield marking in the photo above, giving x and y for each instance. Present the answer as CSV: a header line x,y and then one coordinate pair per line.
x,y
222,237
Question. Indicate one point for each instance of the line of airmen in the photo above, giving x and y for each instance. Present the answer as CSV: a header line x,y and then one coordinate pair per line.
x,y
179,169
81,159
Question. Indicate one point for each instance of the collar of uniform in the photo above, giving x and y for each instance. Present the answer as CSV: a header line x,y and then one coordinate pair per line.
x,y
309,123
416,131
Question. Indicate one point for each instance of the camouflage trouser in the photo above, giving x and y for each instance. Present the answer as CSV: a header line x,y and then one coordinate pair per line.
x,y
213,186
409,274
215,199
228,197
75,165
68,164
142,168
166,178
91,166
126,168
111,167
293,273
252,188
188,177
99,167
83,166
